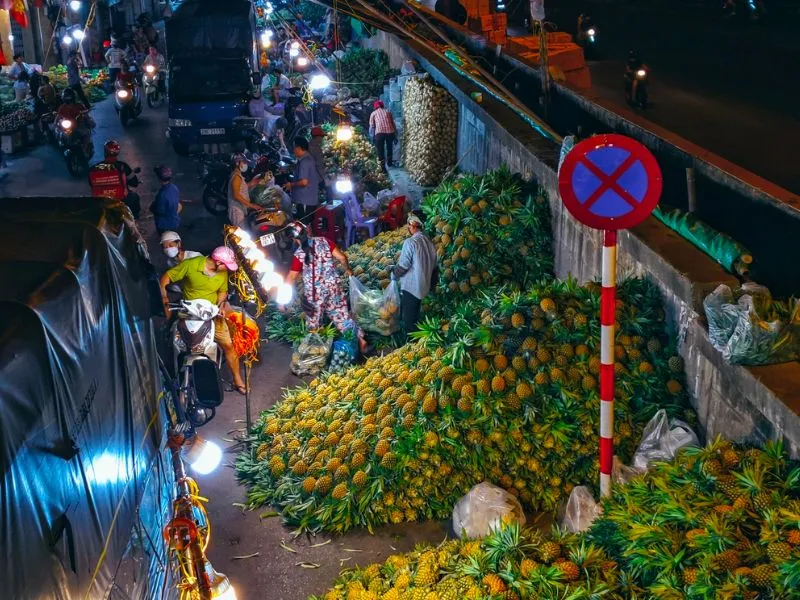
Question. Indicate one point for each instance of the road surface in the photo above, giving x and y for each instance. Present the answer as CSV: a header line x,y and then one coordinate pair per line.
x,y
273,572
728,86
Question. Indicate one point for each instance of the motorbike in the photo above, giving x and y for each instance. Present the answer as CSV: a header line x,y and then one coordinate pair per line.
x,y
153,86
640,77
128,99
196,360
587,39
215,174
77,151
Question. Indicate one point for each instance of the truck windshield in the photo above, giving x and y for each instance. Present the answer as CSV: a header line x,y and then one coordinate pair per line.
x,y
202,80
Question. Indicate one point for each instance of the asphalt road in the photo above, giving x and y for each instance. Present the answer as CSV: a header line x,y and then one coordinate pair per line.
x,y
727,85
267,570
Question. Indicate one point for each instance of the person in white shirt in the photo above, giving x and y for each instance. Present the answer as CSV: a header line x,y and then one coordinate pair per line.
x,y
19,66
281,85
115,58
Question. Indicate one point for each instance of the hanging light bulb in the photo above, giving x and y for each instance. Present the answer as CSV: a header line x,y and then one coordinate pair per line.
x,y
344,185
302,61
295,45
344,133
270,280
285,294
262,265
293,52
75,5
320,81
243,237
265,41
66,40
203,456
78,34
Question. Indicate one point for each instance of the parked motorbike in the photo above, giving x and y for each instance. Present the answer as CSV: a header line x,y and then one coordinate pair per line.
x,y
196,360
128,98
74,146
215,174
587,36
153,86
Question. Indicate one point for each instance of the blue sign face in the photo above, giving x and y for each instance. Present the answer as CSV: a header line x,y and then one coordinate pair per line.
x,y
610,182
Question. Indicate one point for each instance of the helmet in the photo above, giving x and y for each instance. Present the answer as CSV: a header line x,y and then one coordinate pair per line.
x,y
298,230
163,173
111,148
226,256
68,96
281,123
317,131
378,104
238,159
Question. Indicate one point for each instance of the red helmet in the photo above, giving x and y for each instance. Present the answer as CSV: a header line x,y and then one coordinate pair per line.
x,y
111,148
378,104
317,131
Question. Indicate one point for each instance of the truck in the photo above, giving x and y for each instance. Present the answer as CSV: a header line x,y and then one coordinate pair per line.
x,y
213,65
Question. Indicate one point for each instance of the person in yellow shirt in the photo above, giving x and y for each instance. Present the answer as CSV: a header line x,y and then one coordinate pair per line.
x,y
206,278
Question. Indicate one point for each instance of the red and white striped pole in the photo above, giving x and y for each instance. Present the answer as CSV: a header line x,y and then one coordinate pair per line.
x,y
607,341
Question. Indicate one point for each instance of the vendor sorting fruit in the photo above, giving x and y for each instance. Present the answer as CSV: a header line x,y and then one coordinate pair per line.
x,y
322,288
415,272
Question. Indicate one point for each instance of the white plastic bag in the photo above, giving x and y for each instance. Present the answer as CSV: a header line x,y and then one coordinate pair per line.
x,y
384,197
375,310
581,511
483,509
661,439
371,205
408,68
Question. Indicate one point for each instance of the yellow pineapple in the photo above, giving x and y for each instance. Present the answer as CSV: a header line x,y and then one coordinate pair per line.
x,y
494,584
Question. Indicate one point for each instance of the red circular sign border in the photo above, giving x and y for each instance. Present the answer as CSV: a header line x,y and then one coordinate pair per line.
x,y
642,210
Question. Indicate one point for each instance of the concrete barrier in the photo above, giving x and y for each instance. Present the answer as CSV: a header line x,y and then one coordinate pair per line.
x,y
747,404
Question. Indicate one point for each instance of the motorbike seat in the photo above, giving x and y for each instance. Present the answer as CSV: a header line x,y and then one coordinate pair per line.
x,y
207,383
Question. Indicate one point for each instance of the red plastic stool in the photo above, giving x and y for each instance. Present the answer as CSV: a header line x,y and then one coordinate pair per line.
x,y
395,214
328,222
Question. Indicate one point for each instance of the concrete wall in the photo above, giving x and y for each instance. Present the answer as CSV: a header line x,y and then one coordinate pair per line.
x,y
744,404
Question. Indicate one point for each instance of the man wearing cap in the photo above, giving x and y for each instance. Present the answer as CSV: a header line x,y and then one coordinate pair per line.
x,y
383,131
172,245
206,278
166,207
415,271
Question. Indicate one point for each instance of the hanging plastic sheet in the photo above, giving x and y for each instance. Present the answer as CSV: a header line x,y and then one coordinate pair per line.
x,y
82,428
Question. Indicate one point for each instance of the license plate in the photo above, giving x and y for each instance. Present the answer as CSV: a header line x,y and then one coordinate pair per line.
x,y
268,240
214,131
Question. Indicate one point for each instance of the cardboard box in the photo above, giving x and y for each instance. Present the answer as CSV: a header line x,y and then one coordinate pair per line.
x,y
499,21
487,23
477,8
497,37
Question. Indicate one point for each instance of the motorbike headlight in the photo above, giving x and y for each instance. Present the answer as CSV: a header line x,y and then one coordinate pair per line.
x,y
123,94
180,123
591,32
66,124
641,73
150,69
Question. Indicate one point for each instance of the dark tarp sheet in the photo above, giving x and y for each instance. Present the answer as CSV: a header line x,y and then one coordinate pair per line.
x,y
82,428
204,25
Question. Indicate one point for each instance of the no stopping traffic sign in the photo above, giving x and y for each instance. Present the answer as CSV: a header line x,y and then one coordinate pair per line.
x,y
610,182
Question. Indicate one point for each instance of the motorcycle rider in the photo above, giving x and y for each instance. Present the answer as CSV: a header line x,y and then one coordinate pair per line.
x,y
584,25
172,245
206,278
115,58
156,59
82,122
111,151
632,67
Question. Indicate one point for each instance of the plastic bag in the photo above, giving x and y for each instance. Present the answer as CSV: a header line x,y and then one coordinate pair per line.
x,y
661,439
344,354
749,328
370,205
408,68
311,355
483,509
581,511
375,310
384,197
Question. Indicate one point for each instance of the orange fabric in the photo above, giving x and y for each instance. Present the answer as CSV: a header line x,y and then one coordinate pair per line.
x,y
18,12
245,335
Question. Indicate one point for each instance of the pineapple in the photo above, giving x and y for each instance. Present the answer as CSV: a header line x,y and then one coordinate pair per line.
x,y
323,485
495,585
727,560
569,569
359,479
779,552
549,551
690,575
762,575
526,567
309,485
793,537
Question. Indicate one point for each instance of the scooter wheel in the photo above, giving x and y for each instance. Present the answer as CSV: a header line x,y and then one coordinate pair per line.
x,y
213,203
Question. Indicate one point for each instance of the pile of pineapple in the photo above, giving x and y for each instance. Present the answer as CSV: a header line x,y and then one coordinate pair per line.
x,y
720,522
505,390
488,230
356,157
371,259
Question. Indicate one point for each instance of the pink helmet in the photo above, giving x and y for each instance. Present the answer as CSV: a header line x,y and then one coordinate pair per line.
x,y
226,256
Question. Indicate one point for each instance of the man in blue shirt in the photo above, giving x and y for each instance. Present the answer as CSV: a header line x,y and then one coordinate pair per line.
x,y
305,187
166,207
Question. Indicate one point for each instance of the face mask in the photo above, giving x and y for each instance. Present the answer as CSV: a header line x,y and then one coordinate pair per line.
x,y
171,252
243,167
